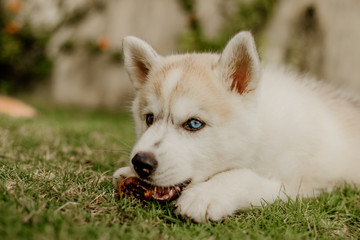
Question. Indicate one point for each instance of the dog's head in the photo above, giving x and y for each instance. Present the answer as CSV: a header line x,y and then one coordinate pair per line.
x,y
194,112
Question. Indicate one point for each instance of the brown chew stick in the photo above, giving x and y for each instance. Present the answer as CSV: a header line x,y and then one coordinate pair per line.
x,y
133,186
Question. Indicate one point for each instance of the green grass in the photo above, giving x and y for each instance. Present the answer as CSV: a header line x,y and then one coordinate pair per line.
x,y
55,183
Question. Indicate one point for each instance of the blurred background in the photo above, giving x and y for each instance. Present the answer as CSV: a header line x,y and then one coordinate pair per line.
x,y
68,52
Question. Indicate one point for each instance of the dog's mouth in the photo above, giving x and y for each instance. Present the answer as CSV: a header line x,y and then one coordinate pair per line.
x,y
168,193
144,191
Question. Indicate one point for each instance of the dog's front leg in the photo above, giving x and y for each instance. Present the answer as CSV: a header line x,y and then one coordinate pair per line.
x,y
225,193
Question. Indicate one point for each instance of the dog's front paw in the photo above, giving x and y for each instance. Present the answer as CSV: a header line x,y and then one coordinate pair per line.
x,y
120,174
201,202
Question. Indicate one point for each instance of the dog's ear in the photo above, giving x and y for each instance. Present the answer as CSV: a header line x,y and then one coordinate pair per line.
x,y
239,64
139,58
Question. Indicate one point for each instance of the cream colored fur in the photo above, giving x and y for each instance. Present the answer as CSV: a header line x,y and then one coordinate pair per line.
x,y
268,132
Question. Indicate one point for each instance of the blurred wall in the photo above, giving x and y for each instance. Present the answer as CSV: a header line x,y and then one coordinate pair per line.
x,y
93,79
317,36
212,14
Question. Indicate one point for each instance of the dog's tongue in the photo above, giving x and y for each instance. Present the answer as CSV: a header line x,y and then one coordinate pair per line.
x,y
166,193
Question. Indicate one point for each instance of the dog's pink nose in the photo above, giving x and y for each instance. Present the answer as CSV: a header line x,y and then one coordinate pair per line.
x,y
144,164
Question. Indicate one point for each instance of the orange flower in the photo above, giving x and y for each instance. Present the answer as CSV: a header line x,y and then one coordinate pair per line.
x,y
14,5
12,28
103,43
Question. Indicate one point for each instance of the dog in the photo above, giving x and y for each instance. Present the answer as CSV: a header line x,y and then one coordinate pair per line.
x,y
236,133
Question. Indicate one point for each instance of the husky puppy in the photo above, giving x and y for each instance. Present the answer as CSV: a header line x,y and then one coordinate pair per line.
x,y
234,132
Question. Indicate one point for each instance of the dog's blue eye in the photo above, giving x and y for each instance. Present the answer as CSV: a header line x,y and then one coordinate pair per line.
x,y
193,124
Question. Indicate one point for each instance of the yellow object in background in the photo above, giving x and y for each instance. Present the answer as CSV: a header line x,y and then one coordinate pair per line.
x,y
15,108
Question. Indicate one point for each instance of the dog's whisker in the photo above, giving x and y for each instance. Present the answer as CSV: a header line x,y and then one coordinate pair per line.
x,y
111,150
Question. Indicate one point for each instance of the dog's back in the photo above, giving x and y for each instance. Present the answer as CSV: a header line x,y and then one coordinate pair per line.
x,y
310,133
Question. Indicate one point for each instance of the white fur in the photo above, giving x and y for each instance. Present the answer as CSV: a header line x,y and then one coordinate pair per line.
x,y
282,134
171,80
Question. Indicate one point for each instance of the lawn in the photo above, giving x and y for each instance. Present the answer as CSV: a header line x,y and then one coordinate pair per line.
x,y
55,183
